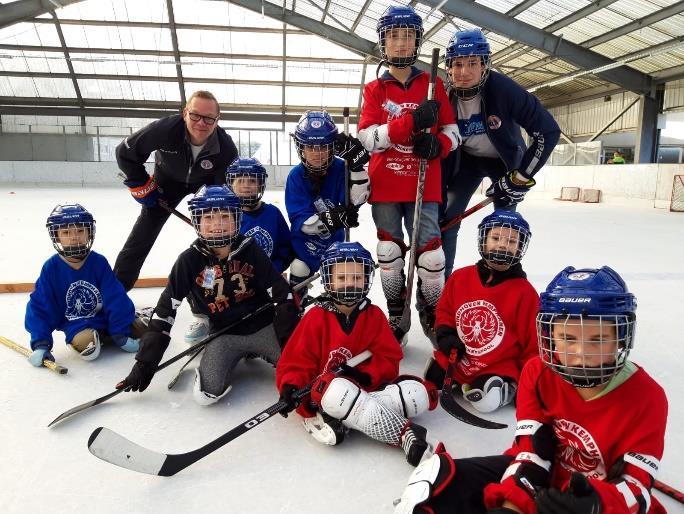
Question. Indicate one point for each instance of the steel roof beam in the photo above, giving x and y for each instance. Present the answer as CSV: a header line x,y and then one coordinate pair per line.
x,y
25,10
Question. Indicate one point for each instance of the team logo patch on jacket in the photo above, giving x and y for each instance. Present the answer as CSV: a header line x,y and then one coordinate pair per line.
x,y
479,326
206,164
83,300
493,122
577,450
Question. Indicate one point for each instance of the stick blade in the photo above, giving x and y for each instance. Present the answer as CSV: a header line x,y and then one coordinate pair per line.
x,y
111,447
449,404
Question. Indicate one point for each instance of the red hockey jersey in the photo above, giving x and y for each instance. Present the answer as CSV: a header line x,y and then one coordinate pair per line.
x,y
618,437
497,324
394,172
320,344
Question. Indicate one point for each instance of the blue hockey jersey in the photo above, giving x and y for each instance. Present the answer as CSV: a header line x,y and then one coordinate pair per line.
x,y
302,202
269,229
72,300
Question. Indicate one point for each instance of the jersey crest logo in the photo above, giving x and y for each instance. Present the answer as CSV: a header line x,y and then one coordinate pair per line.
x,y
83,300
206,164
578,450
336,358
263,239
480,327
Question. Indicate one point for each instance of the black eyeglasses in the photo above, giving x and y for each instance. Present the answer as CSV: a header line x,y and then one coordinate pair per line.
x,y
206,119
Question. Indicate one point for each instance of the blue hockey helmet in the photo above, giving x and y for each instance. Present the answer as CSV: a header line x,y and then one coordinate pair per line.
x,y
465,43
247,179
72,230
343,283
207,209
400,17
317,132
585,325
508,244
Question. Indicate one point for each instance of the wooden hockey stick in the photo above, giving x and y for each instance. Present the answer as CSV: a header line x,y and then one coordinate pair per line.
x,y
460,217
28,287
25,351
669,491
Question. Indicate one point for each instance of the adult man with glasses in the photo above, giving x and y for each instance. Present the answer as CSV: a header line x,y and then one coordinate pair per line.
x,y
191,150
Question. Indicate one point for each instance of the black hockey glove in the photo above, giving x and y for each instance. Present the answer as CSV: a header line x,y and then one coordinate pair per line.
x,y
447,340
285,321
139,377
508,192
287,396
425,115
579,498
426,146
502,510
351,150
361,378
340,217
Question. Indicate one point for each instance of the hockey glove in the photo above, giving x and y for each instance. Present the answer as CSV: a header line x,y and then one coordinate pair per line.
x,y
426,146
285,321
425,115
579,498
41,352
146,194
139,377
502,510
447,340
287,396
351,150
359,187
340,217
510,189
127,344
360,377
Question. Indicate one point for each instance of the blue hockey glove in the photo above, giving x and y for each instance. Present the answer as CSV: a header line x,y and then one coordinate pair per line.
x,y
41,352
146,193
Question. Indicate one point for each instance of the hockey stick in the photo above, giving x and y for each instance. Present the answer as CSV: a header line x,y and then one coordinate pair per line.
x,y
175,378
460,217
449,404
345,114
669,491
109,446
191,349
26,352
405,323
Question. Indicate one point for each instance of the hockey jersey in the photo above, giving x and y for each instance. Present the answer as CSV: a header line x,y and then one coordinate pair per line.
x,y
393,168
496,323
326,338
268,228
616,440
302,202
71,300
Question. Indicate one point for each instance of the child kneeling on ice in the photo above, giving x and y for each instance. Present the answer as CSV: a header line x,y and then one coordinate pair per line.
x,y
371,397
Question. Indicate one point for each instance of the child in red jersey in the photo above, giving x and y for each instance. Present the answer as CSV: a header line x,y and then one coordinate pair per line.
x,y
591,424
487,315
392,125
370,397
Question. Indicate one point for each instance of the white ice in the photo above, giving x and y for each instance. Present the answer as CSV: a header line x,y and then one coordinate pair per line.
x,y
278,467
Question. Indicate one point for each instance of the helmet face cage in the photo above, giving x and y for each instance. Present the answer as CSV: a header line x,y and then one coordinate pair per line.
x,y
347,279
254,183
315,133
412,31
509,241
465,44
223,231
585,350
65,227
246,178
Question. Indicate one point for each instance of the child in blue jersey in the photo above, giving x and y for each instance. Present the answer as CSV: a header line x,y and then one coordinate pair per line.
x,y
78,294
260,220
315,191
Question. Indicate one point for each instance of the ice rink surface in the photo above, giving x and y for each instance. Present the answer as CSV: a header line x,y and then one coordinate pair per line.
x,y
278,467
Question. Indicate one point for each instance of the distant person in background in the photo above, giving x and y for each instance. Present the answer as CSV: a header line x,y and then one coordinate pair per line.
x,y
491,110
617,158
191,150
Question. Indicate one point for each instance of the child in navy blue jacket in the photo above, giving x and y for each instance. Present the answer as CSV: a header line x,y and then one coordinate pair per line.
x,y
78,294
260,220
315,191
